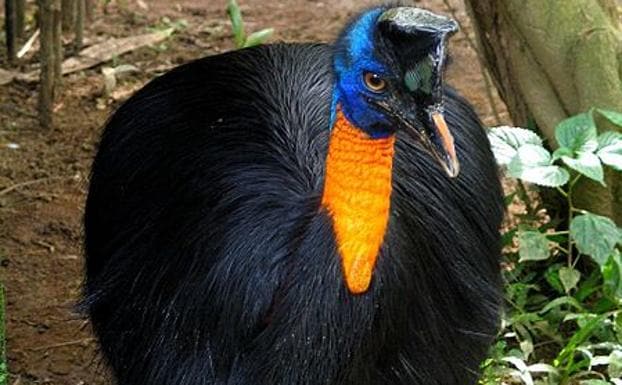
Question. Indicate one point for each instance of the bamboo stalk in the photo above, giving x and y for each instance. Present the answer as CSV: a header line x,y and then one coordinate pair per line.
x,y
46,57
79,27
57,41
10,29
68,9
20,18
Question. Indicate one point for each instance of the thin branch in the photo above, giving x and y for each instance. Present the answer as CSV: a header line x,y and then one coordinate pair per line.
x,y
28,45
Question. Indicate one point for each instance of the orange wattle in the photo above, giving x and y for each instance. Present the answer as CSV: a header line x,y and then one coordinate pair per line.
x,y
357,195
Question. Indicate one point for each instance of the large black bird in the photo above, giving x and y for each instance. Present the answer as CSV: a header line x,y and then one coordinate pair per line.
x,y
294,214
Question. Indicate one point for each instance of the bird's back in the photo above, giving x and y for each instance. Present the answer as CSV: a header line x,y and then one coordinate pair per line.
x,y
210,260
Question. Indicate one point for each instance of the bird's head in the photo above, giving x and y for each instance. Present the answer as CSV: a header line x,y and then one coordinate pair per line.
x,y
389,66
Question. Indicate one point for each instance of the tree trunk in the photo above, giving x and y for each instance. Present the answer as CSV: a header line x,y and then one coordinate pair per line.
x,y
20,17
551,59
79,27
58,41
10,30
46,56
68,8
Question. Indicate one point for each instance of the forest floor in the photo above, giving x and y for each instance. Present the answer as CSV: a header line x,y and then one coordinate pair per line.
x,y
44,174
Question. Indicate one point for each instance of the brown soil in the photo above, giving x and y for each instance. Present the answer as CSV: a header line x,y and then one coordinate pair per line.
x,y
43,181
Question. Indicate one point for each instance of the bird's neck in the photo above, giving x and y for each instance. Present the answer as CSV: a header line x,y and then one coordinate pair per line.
x,y
357,196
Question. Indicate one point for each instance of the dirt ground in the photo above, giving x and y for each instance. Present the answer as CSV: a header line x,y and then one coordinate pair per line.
x,y
43,174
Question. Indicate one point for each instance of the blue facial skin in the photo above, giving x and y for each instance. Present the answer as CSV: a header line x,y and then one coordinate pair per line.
x,y
355,55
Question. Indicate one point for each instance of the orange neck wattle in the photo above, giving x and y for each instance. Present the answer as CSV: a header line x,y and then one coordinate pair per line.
x,y
357,195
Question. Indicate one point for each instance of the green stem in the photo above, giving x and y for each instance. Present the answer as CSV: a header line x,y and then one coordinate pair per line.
x,y
571,210
561,191
561,248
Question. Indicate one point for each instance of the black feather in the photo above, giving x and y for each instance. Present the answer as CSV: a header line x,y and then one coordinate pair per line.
x,y
209,260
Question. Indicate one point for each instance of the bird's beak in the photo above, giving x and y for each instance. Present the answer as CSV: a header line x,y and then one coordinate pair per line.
x,y
442,145
436,138
417,39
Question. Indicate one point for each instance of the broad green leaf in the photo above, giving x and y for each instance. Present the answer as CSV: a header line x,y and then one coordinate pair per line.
x,y
577,133
612,275
259,37
613,116
505,142
569,277
533,246
237,25
610,149
587,164
557,302
595,236
615,364
532,163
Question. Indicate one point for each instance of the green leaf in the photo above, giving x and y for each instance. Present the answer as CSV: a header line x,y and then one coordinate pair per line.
x,y
577,133
526,347
533,246
557,302
595,236
562,151
552,277
613,116
505,142
610,149
570,277
578,338
612,275
237,24
587,164
594,382
532,163
258,37
615,364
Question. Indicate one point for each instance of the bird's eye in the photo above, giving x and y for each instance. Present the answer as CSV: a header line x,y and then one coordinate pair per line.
x,y
374,82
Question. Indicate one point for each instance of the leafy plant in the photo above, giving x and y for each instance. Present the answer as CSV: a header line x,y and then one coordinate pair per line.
x,y
239,35
563,323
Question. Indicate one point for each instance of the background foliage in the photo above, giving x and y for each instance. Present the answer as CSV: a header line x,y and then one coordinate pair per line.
x,y
563,280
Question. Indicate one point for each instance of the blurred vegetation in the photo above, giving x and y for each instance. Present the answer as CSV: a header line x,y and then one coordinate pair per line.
x,y
563,283
239,35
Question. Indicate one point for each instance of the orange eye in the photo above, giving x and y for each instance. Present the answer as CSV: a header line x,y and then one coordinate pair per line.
x,y
374,82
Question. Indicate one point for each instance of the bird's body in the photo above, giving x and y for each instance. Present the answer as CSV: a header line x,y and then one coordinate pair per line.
x,y
212,255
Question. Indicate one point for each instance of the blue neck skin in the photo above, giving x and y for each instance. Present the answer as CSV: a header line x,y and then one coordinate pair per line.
x,y
355,55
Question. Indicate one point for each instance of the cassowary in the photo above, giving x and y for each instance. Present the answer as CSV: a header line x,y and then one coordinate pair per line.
x,y
294,214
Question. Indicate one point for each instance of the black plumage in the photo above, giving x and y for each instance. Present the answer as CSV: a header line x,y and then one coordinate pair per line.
x,y
210,260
